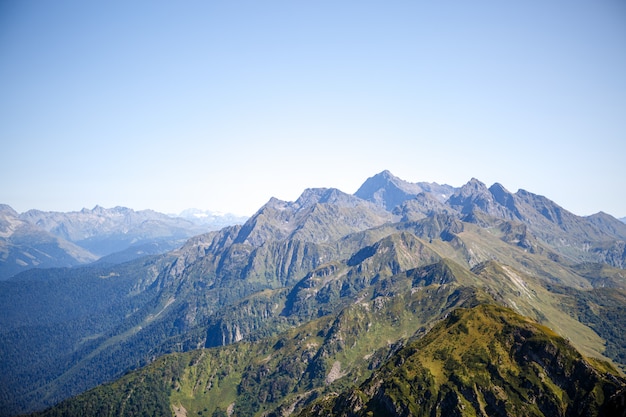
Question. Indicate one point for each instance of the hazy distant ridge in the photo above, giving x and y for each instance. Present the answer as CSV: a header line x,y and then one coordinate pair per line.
x,y
47,239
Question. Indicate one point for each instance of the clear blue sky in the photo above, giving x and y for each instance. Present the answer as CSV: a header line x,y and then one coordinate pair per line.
x,y
223,104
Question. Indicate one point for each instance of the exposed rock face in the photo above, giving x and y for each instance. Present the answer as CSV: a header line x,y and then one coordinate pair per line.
x,y
318,215
476,196
596,238
389,191
422,206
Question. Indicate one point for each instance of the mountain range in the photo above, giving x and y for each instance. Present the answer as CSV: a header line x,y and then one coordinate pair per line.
x,y
39,239
402,299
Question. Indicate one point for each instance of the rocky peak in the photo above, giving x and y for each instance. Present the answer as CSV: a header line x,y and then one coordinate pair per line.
x,y
501,194
6,210
471,196
473,187
505,198
9,221
319,214
387,191
423,205
608,224
312,196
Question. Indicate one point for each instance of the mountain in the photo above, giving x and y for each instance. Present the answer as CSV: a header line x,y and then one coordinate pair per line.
x,y
478,360
318,215
305,299
211,220
421,206
275,248
38,239
105,231
483,361
388,191
596,238
24,246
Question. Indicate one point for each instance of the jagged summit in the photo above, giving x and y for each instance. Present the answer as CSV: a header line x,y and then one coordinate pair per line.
x,y
504,197
318,215
474,202
6,209
312,196
388,191
309,198
476,196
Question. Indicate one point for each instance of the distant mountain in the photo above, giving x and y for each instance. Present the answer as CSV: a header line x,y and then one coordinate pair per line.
x,y
55,239
388,191
623,219
104,231
24,246
211,220
312,299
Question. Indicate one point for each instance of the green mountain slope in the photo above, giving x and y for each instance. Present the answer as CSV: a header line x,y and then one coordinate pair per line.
x,y
289,369
484,361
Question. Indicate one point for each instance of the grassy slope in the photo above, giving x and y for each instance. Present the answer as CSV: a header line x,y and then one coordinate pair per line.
x,y
483,361
323,355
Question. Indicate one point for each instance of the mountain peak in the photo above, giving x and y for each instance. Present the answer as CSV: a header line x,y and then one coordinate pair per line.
x,y
387,175
474,185
474,194
8,210
505,198
388,191
312,196
499,189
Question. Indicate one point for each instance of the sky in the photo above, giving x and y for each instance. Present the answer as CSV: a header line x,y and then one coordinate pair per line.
x,y
221,105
